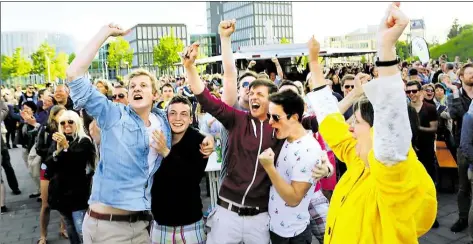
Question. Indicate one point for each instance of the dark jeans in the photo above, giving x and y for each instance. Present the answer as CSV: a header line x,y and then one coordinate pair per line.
x,y
303,238
10,135
73,223
9,172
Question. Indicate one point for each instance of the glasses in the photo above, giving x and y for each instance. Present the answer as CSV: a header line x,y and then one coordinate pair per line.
x,y
349,86
411,91
70,122
120,96
245,84
429,90
276,117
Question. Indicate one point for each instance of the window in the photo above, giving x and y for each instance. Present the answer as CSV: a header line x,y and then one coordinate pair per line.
x,y
155,42
145,59
290,20
145,46
151,61
160,32
150,46
141,59
155,32
139,33
145,33
140,46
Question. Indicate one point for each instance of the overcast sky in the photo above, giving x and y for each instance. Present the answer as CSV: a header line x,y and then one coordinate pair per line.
x,y
84,19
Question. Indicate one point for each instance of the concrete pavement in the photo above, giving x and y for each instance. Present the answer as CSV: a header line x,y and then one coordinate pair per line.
x,y
21,224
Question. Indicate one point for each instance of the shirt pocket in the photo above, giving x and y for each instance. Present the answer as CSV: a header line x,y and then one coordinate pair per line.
x,y
132,135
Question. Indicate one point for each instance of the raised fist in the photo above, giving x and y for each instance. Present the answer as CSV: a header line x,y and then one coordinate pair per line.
x,y
314,49
189,55
266,158
392,25
115,30
226,28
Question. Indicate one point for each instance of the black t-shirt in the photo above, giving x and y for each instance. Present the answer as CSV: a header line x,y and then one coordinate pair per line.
x,y
175,194
427,114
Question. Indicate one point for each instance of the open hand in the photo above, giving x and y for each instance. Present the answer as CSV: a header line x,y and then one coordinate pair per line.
x,y
28,118
314,49
189,55
226,28
207,146
160,143
61,141
266,158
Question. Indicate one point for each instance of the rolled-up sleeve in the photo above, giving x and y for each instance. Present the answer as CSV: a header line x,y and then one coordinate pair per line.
x,y
84,95
392,131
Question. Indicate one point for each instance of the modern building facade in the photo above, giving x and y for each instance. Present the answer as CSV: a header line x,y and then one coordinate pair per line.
x,y
209,46
144,37
258,23
31,40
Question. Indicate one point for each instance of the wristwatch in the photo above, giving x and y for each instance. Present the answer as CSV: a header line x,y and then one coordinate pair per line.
x,y
386,63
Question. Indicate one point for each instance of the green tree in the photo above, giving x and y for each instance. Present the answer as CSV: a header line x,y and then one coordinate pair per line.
x,y
363,59
454,30
72,56
59,66
7,66
21,66
119,52
457,46
166,52
43,57
402,49
284,40
202,67
466,28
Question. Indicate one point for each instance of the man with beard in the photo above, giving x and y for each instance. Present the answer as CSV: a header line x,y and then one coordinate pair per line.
x,y
458,103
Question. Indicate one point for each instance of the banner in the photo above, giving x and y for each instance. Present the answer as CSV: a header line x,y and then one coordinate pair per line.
x,y
420,49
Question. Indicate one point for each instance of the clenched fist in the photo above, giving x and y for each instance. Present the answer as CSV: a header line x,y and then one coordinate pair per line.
x,y
189,55
314,49
226,28
266,158
115,30
391,27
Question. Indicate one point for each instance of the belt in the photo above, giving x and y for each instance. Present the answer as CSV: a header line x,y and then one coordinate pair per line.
x,y
244,211
132,218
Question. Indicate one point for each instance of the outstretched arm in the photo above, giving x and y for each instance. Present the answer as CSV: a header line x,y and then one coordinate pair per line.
x,y
229,96
82,93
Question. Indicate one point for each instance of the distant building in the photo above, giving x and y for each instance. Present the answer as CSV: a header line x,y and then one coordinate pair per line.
x,y
417,28
208,47
31,40
144,37
252,17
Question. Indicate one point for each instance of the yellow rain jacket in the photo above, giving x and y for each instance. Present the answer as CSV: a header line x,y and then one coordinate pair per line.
x,y
378,204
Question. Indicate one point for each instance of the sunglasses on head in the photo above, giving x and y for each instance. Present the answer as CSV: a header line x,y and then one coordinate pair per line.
x,y
70,122
120,96
276,117
349,86
411,91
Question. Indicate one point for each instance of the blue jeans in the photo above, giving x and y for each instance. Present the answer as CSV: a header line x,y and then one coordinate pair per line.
x,y
73,223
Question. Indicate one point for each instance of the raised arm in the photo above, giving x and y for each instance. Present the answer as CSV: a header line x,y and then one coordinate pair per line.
x,y
83,94
230,89
392,131
278,67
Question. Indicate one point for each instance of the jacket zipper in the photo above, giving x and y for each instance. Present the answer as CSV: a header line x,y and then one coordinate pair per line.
x,y
256,164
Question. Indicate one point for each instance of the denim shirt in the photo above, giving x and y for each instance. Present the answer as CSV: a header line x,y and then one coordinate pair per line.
x,y
122,178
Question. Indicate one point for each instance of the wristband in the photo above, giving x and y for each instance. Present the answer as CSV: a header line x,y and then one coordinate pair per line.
x,y
387,63
319,88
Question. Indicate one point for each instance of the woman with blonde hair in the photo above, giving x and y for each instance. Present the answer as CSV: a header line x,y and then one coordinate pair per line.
x,y
69,188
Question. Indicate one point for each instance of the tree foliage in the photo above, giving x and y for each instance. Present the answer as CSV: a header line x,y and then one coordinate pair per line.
x,y
7,66
59,66
72,56
166,52
43,57
402,49
119,52
454,30
20,66
457,46
363,59
284,40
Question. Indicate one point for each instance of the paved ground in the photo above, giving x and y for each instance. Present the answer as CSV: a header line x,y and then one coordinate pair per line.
x,y
20,224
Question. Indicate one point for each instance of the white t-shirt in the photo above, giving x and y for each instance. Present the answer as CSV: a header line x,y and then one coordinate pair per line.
x,y
295,163
153,154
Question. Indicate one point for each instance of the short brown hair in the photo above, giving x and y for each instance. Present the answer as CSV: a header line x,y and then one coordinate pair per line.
x,y
462,70
272,88
138,72
346,77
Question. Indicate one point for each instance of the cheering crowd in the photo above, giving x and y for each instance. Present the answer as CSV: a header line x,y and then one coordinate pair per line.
x,y
346,155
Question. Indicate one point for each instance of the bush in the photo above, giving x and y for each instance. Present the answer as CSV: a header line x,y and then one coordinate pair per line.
x,y
460,45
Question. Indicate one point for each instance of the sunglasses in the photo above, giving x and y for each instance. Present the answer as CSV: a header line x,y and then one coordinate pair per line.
x,y
70,122
120,96
349,86
276,117
245,84
411,91
429,90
